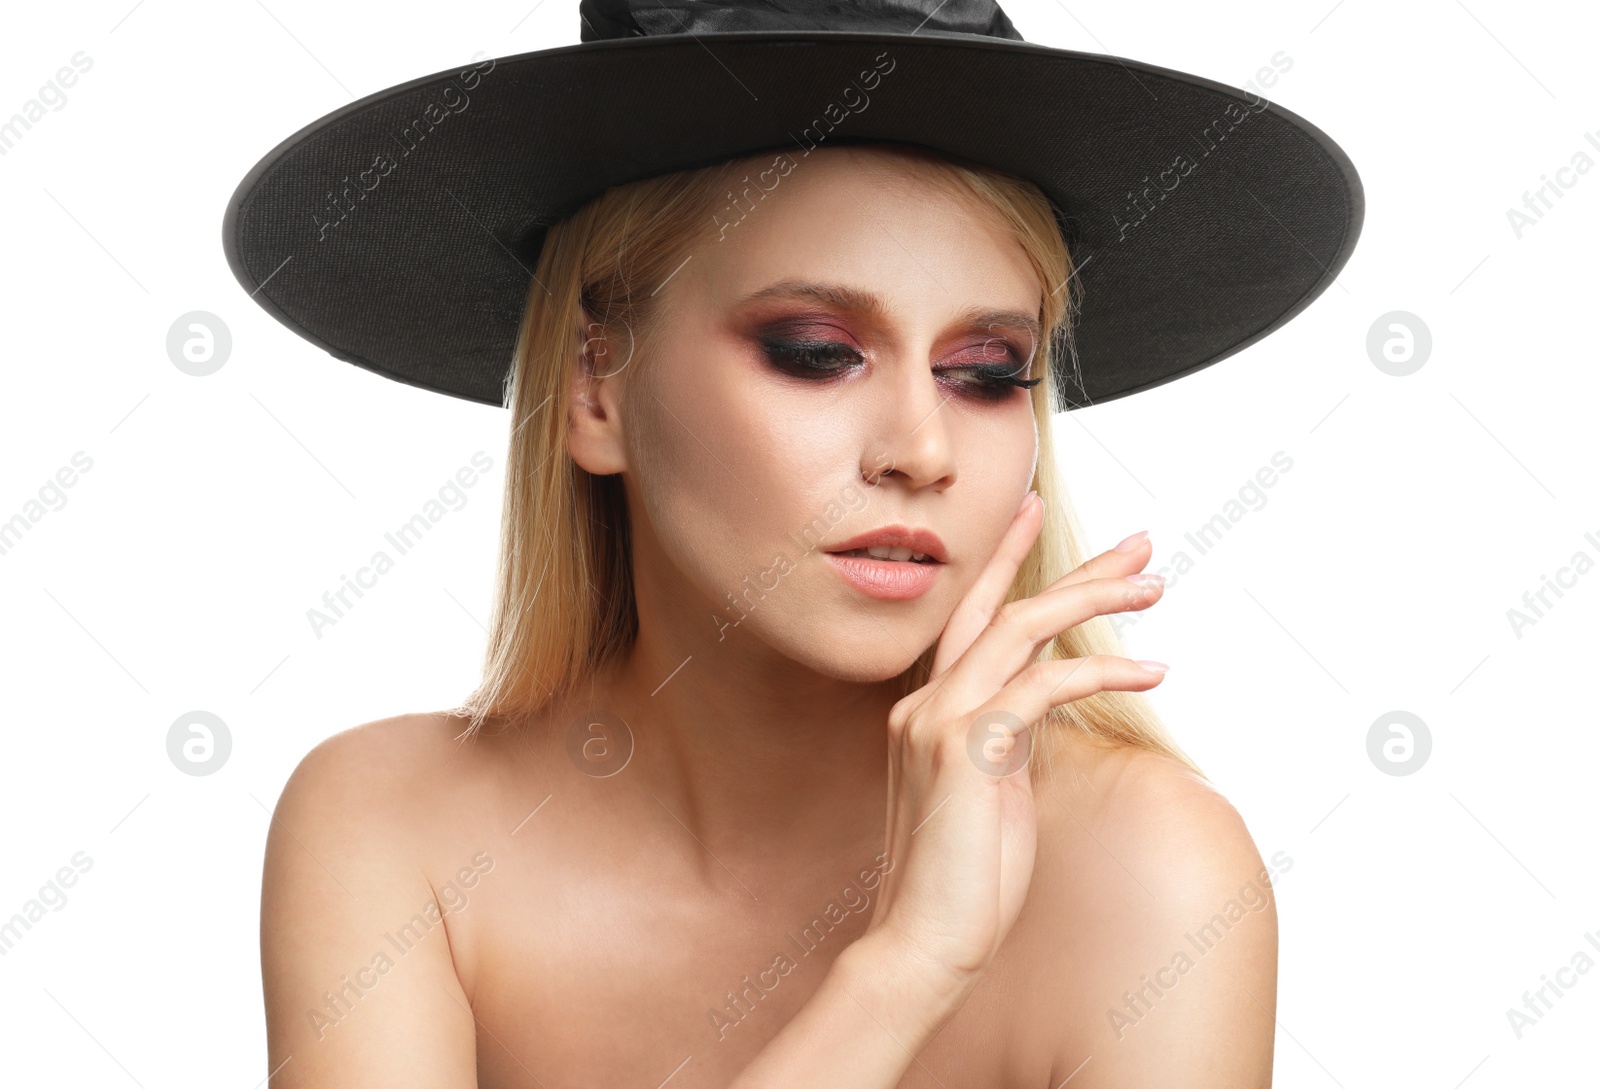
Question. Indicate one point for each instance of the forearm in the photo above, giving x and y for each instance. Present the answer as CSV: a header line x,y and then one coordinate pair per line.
x,y
861,1029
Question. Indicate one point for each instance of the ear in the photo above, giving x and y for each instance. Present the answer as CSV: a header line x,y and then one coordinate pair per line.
x,y
594,417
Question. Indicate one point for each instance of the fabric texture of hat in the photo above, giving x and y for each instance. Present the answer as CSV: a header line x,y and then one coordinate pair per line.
x,y
400,232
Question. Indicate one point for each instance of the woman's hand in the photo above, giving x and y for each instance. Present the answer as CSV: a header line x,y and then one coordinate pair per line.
x,y
961,828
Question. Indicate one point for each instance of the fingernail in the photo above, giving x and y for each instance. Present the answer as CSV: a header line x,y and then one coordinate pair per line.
x,y
1025,499
1151,665
1128,544
1146,578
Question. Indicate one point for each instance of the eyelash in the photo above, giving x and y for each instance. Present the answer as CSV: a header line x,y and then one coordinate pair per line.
x,y
996,380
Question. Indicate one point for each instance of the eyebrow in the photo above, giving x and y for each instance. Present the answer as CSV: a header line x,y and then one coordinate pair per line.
x,y
855,300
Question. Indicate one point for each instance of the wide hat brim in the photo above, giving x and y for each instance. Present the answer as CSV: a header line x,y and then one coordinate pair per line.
x,y
400,232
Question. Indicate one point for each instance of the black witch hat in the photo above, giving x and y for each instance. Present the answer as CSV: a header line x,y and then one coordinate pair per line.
x,y
399,232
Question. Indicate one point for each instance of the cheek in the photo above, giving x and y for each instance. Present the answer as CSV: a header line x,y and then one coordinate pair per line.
x,y
997,451
1015,443
998,467
717,468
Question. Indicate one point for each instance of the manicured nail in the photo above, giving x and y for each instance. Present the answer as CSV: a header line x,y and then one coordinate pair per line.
x,y
1025,499
1152,666
1146,578
1130,543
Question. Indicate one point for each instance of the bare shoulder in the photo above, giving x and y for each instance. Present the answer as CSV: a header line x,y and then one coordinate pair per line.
x,y
1168,842
1155,928
1184,831
412,784
346,869
382,755
394,789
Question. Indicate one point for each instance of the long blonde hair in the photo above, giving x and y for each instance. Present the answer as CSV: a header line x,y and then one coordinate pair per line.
x,y
564,604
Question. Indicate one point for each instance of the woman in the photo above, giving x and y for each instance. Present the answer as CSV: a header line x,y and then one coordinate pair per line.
x,y
737,804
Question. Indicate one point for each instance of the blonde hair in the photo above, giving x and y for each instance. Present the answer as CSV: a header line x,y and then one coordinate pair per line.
x,y
564,604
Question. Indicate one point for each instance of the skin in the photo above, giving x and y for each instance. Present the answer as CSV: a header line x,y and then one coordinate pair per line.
x,y
598,920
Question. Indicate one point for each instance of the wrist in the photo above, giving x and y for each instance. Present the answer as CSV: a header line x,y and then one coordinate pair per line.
x,y
863,1026
885,974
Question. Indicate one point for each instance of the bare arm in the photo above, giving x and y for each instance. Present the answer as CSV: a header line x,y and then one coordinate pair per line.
x,y
360,986
861,1029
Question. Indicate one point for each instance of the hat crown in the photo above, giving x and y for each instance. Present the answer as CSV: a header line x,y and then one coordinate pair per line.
x,y
607,19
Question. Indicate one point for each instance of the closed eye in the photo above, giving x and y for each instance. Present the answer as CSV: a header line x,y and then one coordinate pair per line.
x,y
822,360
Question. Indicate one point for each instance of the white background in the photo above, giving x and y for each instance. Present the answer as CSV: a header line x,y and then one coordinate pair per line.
x,y
1376,576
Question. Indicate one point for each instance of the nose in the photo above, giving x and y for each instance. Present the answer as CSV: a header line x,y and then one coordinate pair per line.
x,y
913,434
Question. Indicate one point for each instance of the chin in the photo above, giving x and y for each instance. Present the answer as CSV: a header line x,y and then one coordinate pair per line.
x,y
874,669
856,650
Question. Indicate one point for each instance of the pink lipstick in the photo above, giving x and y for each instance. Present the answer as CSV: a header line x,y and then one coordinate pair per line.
x,y
894,563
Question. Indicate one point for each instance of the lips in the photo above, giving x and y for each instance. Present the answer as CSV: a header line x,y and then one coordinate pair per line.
x,y
892,580
920,540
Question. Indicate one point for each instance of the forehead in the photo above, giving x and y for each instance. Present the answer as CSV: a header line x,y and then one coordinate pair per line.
x,y
867,220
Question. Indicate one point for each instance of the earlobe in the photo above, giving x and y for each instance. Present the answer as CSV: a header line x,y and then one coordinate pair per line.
x,y
594,432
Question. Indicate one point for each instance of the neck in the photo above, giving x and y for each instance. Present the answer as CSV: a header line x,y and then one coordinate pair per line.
x,y
761,760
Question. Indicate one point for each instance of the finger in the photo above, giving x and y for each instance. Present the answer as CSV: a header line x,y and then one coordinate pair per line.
x,y
1124,559
993,585
1019,629
1057,681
